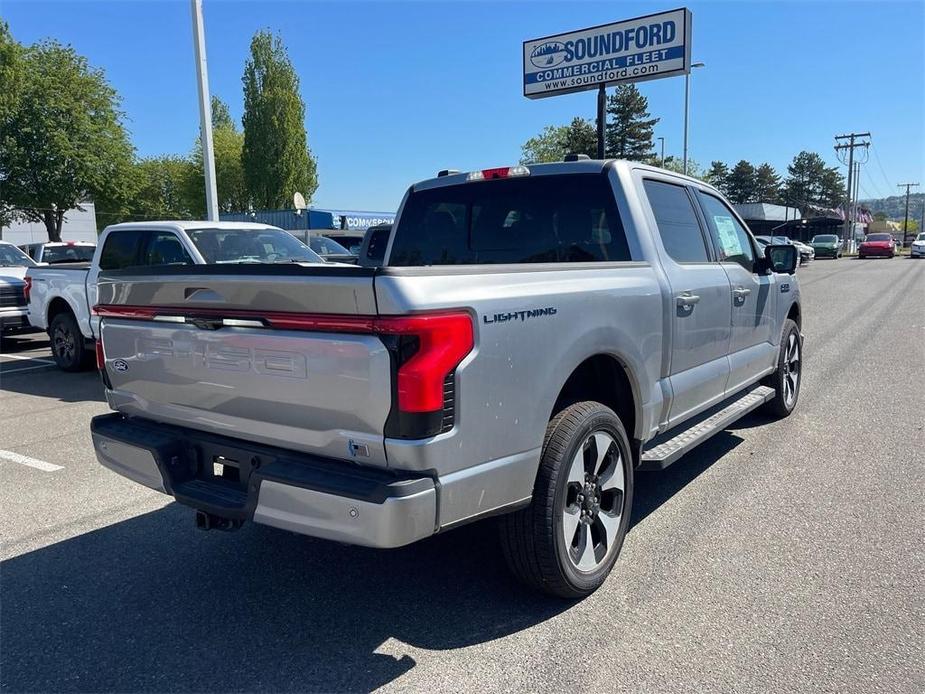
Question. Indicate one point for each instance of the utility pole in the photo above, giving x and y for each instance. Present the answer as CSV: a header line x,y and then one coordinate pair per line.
x,y
906,215
205,112
850,146
857,184
662,141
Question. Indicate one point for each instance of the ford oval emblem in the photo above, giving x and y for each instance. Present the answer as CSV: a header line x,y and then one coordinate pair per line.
x,y
120,365
549,54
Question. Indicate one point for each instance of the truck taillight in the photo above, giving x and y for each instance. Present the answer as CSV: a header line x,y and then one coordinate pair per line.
x,y
27,290
101,364
443,341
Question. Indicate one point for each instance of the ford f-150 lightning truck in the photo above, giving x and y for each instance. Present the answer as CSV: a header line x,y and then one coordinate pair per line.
x,y
532,337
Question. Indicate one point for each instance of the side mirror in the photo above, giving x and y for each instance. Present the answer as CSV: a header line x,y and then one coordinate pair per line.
x,y
782,258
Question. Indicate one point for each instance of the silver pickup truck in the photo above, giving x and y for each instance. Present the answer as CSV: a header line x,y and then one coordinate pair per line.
x,y
531,337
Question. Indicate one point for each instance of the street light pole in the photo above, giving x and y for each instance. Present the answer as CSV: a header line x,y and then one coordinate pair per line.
x,y
601,119
662,140
205,112
687,100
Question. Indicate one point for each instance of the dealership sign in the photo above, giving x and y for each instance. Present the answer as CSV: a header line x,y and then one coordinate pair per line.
x,y
645,48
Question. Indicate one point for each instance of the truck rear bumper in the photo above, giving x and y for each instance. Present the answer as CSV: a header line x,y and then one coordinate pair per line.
x,y
238,480
14,318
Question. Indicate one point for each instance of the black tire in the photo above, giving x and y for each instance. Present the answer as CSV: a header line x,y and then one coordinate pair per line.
x,y
782,381
67,343
533,539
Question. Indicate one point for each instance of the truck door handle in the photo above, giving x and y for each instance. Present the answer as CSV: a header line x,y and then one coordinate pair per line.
x,y
739,294
687,300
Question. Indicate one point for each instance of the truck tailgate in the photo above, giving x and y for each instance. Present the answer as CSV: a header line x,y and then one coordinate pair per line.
x,y
232,350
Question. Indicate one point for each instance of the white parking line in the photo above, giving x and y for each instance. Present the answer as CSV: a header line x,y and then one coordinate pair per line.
x,y
25,358
31,462
10,372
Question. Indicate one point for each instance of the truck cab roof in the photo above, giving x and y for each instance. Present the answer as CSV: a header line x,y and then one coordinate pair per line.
x,y
186,225
580,166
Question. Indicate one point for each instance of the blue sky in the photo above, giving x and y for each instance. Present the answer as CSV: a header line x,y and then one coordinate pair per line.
x,y
397,91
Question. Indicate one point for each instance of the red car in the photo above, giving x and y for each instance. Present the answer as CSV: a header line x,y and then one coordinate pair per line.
x,y
877,244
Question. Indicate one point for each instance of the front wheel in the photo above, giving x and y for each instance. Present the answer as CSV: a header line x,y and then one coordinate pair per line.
x,y
566,542
67,343
787,378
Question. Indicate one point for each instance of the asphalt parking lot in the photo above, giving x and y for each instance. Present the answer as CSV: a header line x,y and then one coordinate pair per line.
x,y
783,556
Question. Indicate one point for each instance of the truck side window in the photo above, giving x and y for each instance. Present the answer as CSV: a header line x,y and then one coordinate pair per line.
x,y
164,248
547,219
731,238
121,249
677,222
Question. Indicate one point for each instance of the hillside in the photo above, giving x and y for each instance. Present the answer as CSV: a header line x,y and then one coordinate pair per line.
x,y
894,205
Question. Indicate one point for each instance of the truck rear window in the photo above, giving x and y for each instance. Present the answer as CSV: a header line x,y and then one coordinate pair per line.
x,y
68,254
547,219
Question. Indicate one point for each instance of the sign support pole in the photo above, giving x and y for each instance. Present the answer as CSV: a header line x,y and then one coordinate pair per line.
x,y
601,114
205,112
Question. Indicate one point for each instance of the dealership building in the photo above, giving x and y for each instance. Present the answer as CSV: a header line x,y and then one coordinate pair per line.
x,y
313,218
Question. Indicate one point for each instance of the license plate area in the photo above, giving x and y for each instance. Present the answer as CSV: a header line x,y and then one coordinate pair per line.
x,y
227,466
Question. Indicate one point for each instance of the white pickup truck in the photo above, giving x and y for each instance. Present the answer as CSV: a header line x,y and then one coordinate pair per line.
x,y
60,296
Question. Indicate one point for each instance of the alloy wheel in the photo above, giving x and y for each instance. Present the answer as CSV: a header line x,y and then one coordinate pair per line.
x,y
791,369
594,501
64,344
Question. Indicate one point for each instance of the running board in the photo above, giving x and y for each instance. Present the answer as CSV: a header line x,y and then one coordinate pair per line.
x,y
664,454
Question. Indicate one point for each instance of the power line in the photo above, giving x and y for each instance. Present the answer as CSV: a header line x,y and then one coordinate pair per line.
x,y
886,180
874,185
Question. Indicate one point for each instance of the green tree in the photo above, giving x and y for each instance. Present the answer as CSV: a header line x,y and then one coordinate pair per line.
x,y
63,137
676,164
802,184
548,146
11,82
832,190
227,146
221,116
275,155
740,185
555,141
581,137
767,184
165,188
629,129
717,176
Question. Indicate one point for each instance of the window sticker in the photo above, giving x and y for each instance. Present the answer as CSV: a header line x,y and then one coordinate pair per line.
x,y
728,238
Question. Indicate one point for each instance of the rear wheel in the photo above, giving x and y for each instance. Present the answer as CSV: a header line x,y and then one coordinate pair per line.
x,y
67,343
787,378
566,542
